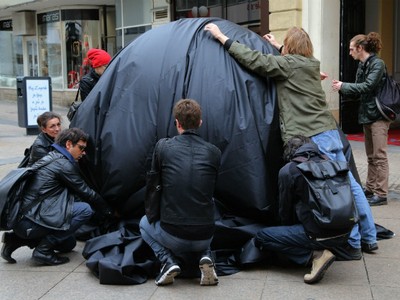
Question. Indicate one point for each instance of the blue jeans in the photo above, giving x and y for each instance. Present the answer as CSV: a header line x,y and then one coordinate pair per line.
x,y
293,242
26,229
330,144
165,244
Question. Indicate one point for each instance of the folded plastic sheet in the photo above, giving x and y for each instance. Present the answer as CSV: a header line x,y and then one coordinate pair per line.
x,y
131,108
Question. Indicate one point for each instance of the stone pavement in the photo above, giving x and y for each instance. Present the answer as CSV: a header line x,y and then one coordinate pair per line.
x,y
375,276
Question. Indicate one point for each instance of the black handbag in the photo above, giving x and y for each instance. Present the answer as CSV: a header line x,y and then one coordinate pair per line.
x,y
27,155
74,107
388,98
153,187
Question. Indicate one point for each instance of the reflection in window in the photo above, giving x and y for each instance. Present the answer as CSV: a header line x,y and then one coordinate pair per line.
x,y
49,37
81,34
11,64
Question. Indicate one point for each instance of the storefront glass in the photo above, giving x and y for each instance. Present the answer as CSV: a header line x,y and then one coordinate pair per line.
x,y
243,12
82,32
11,64
49,43
74,31
132,20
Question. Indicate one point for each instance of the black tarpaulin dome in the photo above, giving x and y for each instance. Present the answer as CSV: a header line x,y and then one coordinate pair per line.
x,y
131,108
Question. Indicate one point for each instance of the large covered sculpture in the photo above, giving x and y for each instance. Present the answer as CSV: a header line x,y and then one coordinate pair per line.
x,y
131,108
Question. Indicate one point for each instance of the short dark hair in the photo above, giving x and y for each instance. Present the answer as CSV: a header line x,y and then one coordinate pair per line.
x,y
188,113
71,134
291,146
45,117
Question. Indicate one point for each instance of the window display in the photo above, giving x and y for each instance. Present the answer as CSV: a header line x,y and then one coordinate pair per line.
x,y
81,34
49,37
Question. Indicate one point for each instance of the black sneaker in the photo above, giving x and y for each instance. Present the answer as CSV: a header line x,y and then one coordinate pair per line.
x,y
167,274
376,200
369,248
367,193
208,275
346,252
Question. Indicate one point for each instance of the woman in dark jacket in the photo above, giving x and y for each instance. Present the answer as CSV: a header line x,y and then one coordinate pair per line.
x,y
370,77
50,125
98,60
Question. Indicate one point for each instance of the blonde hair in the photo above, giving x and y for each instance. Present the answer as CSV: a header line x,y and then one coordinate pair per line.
x,y
297,41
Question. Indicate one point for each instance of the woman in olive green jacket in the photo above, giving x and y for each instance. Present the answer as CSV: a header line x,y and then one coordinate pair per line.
x,y
370,77
303,110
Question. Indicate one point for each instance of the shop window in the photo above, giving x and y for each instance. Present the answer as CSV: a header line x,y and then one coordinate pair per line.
x,y
11,64
49,44
82,32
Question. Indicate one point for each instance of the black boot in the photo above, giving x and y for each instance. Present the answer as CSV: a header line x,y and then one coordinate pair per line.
x,y
12,242
44,254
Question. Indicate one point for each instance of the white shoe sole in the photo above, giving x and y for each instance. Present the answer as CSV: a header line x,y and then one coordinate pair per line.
x,y
208,275
169,275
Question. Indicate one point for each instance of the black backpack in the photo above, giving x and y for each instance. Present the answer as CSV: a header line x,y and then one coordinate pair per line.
x,y
11,192
12,188
331,200
388,98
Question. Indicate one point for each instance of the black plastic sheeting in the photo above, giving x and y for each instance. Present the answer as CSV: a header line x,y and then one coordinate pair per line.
x,y
131,108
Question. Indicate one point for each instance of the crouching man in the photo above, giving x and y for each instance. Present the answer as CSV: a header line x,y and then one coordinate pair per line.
x,y
189,167
294,239
56,203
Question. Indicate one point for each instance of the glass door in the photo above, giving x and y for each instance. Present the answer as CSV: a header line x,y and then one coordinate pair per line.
x,y
31,57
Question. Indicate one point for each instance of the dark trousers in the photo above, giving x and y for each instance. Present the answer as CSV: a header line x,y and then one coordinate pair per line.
x,y
293,242
26,229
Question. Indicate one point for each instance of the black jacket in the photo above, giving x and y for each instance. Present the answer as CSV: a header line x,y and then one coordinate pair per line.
x,y
87,83
57,185
294,193
370,78
40,148
189,168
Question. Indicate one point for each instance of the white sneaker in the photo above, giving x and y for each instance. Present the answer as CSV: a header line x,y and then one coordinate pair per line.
x,y
208,275
319,267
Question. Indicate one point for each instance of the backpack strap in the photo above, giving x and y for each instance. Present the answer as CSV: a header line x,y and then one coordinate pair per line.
x,y
327,177
300,159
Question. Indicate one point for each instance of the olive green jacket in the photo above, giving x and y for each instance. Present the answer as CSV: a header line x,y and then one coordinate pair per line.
x,y
302,106
370,77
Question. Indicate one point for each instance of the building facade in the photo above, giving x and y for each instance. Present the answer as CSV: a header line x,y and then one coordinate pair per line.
x,y
49,38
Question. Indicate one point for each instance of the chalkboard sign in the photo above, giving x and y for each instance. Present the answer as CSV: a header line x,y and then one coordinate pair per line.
x,y
34,98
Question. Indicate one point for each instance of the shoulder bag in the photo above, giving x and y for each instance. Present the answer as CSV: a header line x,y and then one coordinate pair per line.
x,y
74,107
388,98
154,187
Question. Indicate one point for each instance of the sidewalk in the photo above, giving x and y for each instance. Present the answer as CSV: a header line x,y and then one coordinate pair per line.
x,y
375,276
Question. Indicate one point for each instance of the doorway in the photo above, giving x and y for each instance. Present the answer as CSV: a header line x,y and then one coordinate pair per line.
x,y
30,56
364,16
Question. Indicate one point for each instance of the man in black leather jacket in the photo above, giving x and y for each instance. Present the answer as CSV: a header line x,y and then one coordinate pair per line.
x,y
189,167
56,202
